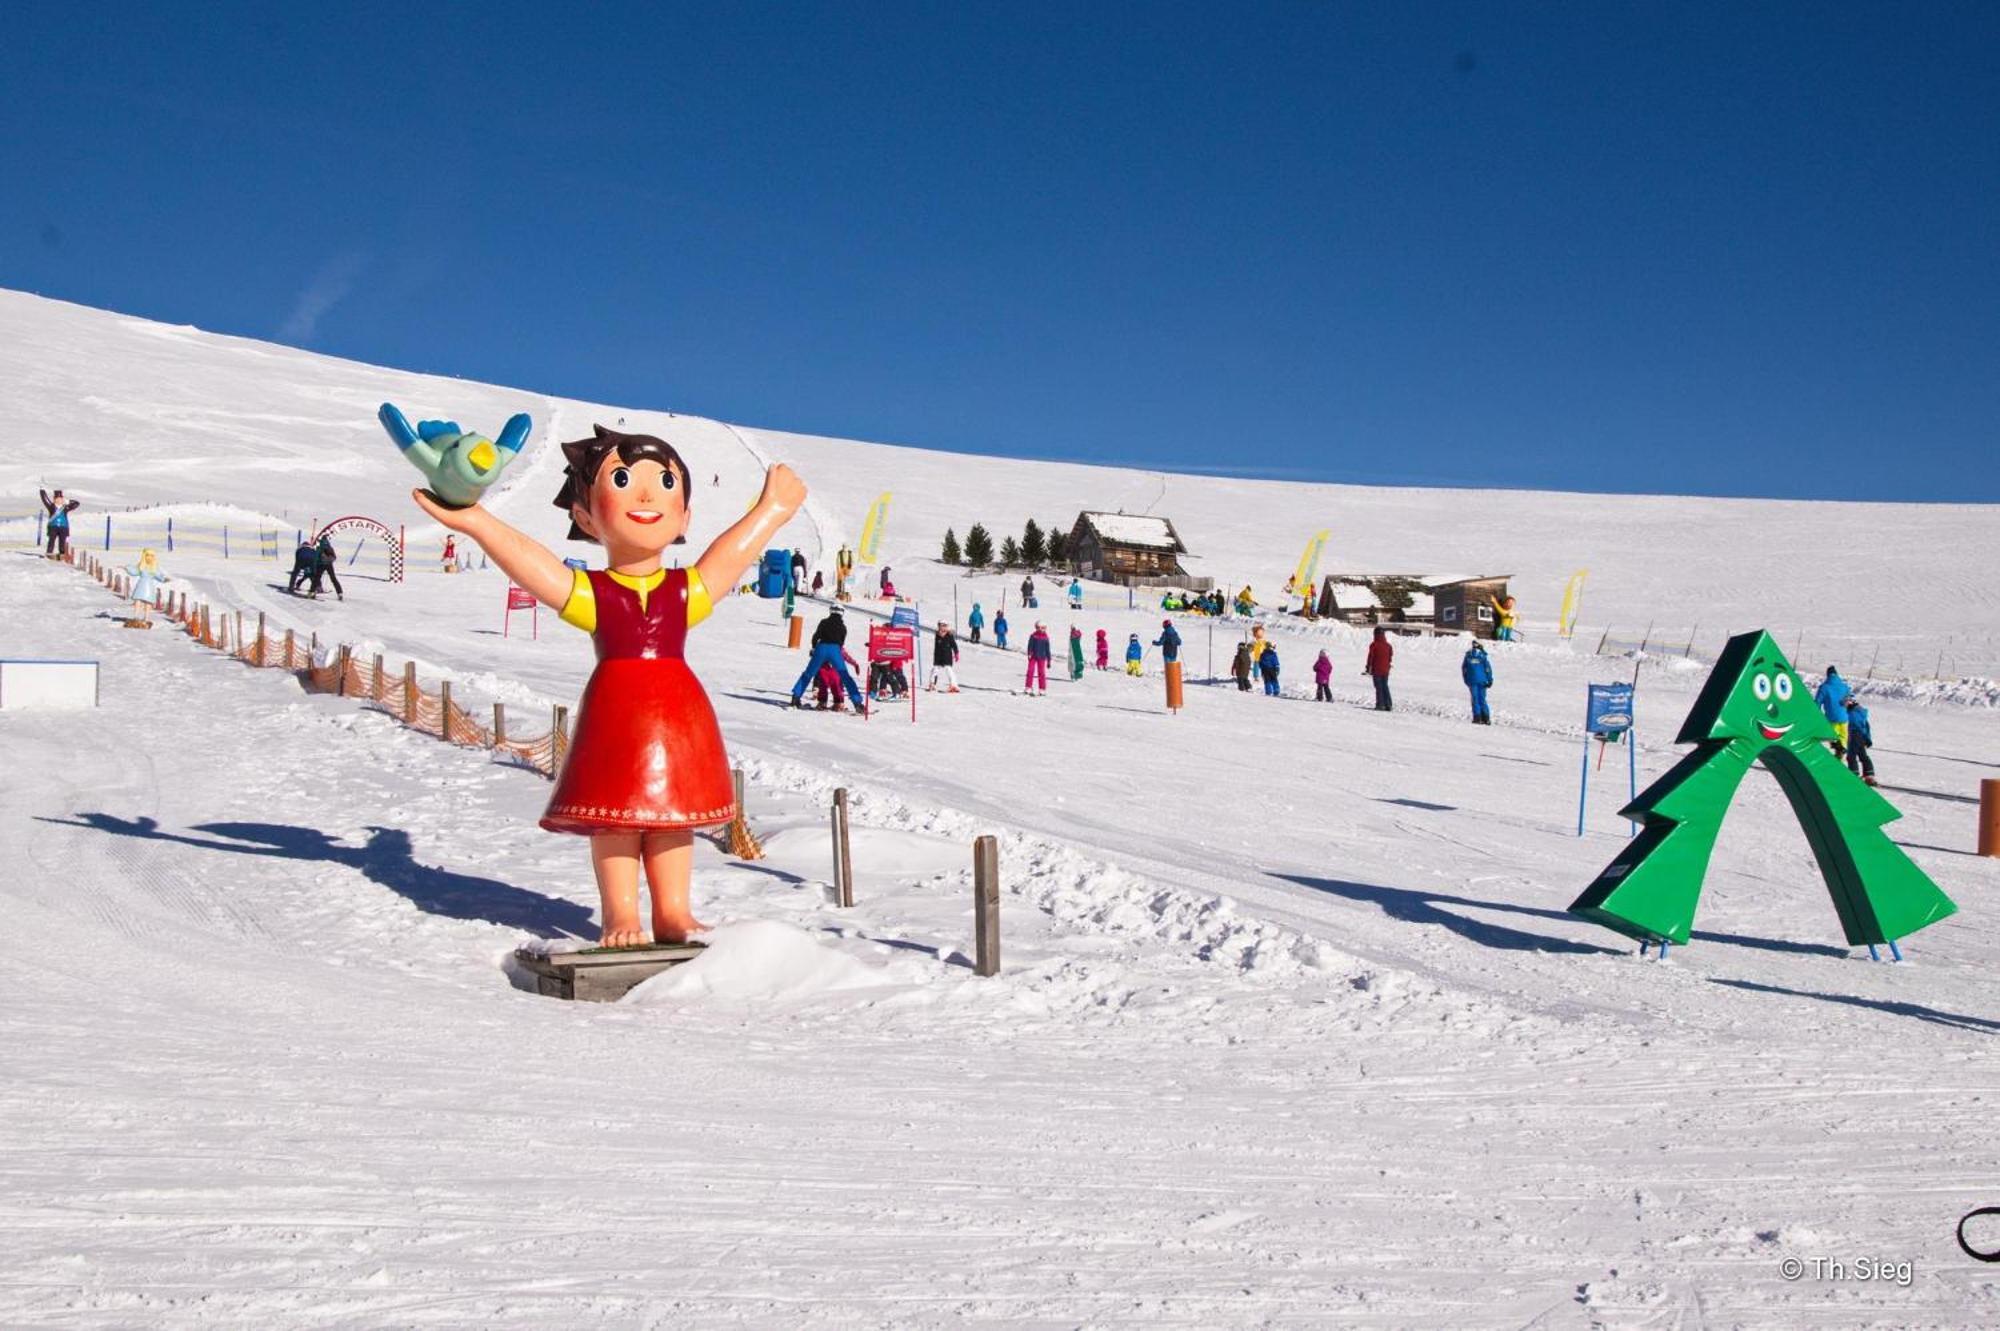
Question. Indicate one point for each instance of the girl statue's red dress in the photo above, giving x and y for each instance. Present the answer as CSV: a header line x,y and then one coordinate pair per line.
x,y
647,754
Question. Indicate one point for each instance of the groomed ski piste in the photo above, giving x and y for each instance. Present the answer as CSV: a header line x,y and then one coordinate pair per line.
x,y
1292,1027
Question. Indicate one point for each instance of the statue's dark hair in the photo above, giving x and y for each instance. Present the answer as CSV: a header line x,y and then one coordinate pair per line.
x,y
586,457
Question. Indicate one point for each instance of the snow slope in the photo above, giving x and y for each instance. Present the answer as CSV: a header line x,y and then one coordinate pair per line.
x,y
1292,1031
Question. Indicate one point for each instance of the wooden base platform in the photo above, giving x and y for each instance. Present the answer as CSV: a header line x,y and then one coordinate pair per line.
x,y
600,974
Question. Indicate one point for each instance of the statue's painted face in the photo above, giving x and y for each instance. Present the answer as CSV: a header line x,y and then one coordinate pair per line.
x,y
1770,702
636,508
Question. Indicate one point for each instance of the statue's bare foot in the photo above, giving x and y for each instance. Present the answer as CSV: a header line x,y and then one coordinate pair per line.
x,y
676,928
618,933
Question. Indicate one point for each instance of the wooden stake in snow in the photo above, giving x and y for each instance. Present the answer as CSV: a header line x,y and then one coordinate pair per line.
x,y
843,852
986,906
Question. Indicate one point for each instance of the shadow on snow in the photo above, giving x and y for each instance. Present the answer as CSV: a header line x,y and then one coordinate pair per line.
x,y
385,858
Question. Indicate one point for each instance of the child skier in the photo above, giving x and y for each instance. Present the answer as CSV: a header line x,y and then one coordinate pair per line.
x,y
1000,629
1075,652
1477,671
1135,657
826,684
976,621
1169,642
1076,593
1103,651
1860,739
1323,678
1038,660
944,659
1267,665
1241,667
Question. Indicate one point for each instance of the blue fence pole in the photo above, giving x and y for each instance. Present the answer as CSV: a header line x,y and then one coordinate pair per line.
x,y
107,531
1631,777
225,540
1583,790
170,535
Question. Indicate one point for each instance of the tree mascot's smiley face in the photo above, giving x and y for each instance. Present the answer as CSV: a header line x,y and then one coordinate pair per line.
x,y
1771,703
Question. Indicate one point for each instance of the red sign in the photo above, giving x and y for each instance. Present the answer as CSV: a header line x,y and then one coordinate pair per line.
x,y
520,598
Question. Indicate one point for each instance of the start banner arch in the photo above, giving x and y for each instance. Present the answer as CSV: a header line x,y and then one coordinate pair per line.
x,y
393,540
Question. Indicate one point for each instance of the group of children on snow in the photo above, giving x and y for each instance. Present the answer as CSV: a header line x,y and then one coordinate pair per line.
x,y
829,672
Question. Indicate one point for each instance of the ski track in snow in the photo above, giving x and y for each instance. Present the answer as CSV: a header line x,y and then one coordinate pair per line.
x,y
1292,1029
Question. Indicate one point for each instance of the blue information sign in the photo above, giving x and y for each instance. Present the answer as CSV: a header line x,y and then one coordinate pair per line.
x,y
903,617
1610,709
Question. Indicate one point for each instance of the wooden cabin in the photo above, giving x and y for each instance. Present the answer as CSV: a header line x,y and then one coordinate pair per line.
x,y
1131,549
1376,598
1465,604
1350,599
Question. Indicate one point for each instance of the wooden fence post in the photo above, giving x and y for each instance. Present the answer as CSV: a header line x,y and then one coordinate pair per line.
x,y
239,633
312,649
288,649
375,689
843,861
499,724
340,671
559,747
410,694
986,906
444,710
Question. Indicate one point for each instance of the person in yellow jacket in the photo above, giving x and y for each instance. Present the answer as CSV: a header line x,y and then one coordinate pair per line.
x,y
1503,614
1245,602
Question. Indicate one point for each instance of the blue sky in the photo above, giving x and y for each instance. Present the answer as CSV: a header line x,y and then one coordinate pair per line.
x,y
1718,249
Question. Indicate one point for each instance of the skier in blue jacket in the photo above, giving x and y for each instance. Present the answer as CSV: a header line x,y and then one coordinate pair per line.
x,y
1832,696
1860,739
1267,666
1477,671
1169,642
1135,657
976,621
1000,629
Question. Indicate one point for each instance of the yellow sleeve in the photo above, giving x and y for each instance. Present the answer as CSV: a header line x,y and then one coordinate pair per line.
x,y
699,603
581,607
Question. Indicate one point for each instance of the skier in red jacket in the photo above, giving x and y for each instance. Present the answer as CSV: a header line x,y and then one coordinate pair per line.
x,y
1380,655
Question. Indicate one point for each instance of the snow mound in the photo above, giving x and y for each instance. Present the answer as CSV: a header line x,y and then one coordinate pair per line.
x,y
760,961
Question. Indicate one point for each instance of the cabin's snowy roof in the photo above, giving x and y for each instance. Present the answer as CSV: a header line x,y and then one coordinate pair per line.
x,y
1437,580
1135,529
1422,606
1354,594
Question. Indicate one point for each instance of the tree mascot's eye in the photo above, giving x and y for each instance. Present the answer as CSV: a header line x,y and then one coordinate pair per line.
x,y
1783,684
620,477
1761,686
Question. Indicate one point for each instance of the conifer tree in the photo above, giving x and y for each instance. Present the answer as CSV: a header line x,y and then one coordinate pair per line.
x,y
951,551
1059,547
1034,549
1010,552
978,547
